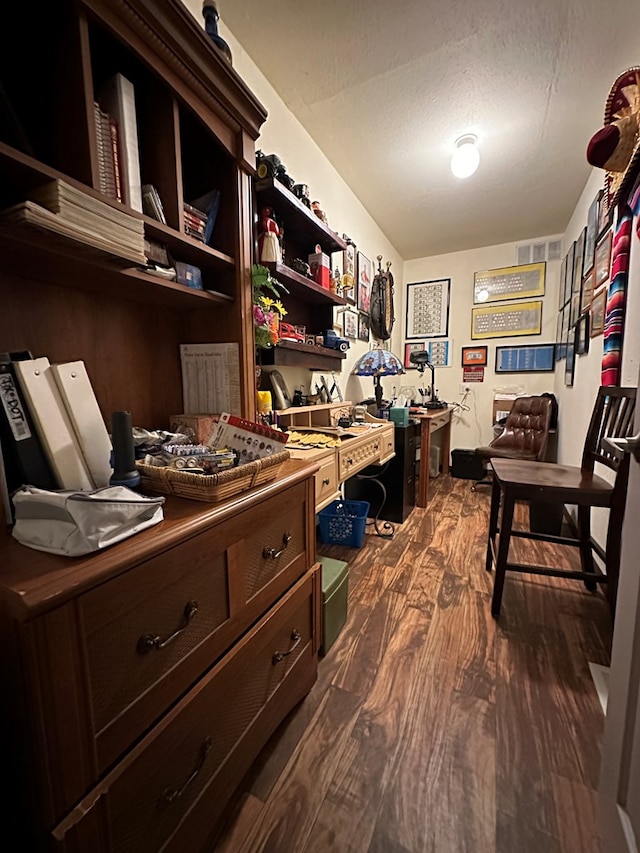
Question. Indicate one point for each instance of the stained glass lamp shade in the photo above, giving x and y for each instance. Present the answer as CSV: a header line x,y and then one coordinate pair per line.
x,y
376,363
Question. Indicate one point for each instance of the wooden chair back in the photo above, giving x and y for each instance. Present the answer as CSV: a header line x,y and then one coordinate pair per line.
x,y
612,417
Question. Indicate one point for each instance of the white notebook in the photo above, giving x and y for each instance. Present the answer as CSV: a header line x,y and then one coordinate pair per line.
x,y
53,424
79,398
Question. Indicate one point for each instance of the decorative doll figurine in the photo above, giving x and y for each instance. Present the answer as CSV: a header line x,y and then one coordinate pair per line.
x,y
268,239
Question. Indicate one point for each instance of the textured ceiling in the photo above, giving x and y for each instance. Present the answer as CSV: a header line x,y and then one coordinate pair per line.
x,y
386,88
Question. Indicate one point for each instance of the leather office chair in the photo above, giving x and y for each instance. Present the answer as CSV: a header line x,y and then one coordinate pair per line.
x,y
546,482
525,434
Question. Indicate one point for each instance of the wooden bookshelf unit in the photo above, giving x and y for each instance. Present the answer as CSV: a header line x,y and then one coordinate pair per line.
x,y
109,743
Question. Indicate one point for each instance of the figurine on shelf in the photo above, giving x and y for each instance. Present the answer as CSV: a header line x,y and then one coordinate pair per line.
x,y
211,17
319,212
301,191
268,239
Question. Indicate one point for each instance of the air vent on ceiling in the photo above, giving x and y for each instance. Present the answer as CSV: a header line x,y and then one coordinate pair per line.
x,y
533,253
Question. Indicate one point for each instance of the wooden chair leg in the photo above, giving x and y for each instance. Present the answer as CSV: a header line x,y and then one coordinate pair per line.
x,y
504,538
586,553
612,562
493,525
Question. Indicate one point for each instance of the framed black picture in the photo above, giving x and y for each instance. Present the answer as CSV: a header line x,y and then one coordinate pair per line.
x,y
428,309
576,285
563,275
592,234
528,358
568,279
363,326
569,364
582,334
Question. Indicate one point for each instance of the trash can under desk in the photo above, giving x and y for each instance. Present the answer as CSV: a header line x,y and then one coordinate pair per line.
x,y
335,594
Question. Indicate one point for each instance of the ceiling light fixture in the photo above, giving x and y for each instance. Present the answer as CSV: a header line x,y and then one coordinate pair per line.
x,y
466,156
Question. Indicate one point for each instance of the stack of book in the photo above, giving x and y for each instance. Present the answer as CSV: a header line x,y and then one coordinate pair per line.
x,y
63,209
195,222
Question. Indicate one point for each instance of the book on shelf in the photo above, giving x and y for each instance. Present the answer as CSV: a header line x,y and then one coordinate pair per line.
x,y
59,196
106,163
152,204
28,214
53,424
23,458
210,205
117,98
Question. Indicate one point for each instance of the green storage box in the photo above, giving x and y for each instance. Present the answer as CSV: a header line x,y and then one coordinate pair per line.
x,y
335,592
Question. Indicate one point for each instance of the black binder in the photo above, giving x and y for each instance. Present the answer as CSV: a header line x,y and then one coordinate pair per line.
x,y
24,459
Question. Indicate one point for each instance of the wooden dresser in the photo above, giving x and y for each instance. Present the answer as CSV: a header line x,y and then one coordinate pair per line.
x,y
140,683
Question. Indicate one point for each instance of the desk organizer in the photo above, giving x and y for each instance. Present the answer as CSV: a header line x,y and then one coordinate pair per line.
x,y
343,523
212,487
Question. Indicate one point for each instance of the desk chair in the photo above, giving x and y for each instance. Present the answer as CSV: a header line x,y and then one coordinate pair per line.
x,y
525,435
546,482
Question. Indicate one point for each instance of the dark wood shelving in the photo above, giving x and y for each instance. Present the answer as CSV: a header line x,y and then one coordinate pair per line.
x,y
304,288
303,225
290,354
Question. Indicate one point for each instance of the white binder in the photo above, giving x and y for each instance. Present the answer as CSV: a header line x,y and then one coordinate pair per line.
x,y
53,424
79,398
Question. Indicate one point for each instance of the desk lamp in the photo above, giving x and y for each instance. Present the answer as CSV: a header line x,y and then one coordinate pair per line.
x,y
377,362
421,360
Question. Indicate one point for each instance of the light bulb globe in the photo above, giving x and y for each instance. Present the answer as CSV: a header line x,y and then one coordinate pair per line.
x,y
466,157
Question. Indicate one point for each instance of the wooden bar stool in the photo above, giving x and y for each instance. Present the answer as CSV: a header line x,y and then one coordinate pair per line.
x,y
546,482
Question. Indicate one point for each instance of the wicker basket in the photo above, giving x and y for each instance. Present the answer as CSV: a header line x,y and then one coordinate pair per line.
x,y
213,487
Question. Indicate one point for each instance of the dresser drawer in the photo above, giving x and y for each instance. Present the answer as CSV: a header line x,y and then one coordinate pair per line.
x,y
355,457
190,763
149,633
439,421
326,480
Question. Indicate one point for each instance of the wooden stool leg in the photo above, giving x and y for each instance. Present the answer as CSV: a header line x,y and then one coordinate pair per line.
x,y
493,524
504,539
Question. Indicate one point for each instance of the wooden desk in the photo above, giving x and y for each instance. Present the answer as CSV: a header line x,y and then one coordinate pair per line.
x,y
430,422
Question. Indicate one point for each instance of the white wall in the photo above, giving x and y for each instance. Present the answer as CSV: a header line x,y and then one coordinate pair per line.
x,y
473,428
284,135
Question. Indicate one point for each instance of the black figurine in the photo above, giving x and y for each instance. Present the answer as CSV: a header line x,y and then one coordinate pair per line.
x,y
211,17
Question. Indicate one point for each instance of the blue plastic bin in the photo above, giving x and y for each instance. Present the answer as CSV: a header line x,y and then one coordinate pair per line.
x,y
343,523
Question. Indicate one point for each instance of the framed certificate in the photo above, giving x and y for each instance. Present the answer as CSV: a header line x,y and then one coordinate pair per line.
x,y
428,309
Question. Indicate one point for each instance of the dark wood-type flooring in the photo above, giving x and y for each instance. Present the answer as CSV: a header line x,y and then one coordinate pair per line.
x,y
432,726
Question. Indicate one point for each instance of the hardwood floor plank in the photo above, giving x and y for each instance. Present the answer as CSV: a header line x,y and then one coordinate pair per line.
x,y
291,809
347,818
573,802
434,727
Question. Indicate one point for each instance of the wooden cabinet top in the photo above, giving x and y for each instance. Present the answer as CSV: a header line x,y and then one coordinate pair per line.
x,y
34,581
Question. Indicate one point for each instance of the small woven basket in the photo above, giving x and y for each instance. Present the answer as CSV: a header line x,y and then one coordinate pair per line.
x,y
213,487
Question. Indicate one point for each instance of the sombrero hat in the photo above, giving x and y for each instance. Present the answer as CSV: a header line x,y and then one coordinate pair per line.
x,y
616,146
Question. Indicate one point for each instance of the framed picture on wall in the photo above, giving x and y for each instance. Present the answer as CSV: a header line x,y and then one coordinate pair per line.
x,y
568,279
349,271
592,234
365,280
582,334
577,263
563,276
587,289
597,311
418,346
428,309
529,358
474,356
363,326
603,259
350,323
569,365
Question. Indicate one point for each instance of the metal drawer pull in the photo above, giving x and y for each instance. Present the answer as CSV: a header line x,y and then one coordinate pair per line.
x,y
272,554
170,795
149,641
278,656
325,481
